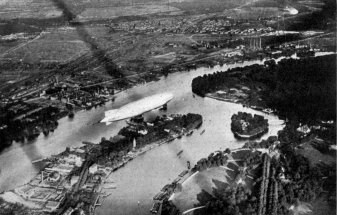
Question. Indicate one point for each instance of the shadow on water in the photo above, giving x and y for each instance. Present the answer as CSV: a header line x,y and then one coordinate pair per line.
x,y
31,151
32,154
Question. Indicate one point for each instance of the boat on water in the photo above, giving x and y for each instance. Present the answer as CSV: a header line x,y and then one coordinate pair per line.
x,y
109,186
203,131
188,165
38,160
179,153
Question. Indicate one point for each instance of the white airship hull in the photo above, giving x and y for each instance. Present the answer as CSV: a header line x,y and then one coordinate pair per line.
x,y
136,108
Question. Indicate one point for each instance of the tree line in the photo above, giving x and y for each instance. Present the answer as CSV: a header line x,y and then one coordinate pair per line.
x,y
301,89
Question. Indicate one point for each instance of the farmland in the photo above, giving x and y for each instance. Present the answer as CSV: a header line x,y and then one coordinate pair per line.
x,y
28,9
57,45
114,12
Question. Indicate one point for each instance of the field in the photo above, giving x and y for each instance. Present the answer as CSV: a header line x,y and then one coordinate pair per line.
x,y
142,50
135,52
196,185
254,13
167,58
201,185
13,9
114,12
156,33
327,41
58,45
62,45
315,156
322,207
46,9
210,6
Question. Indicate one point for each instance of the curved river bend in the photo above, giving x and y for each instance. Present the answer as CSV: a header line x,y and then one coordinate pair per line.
x,y
142,178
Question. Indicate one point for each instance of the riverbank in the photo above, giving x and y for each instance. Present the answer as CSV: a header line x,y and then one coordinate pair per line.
x,y
236,178
84,98
289,149
16,160
194,147
233,99
83,171
197,185
267,87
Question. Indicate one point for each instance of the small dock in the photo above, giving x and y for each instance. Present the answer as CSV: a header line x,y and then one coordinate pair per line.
x,y
38,160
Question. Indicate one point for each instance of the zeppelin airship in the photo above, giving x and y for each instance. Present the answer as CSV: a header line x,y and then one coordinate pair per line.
x,y
290,10
137,107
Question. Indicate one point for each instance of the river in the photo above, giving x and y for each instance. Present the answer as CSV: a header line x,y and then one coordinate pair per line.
x,y
143,177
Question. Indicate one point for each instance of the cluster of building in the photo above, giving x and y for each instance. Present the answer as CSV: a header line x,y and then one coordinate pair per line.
x,y
39,106
59,90
214,26
191,25
72,95
69,172
305,129
82,173
173,25
48,189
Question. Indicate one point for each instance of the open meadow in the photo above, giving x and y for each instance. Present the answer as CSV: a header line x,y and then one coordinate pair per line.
x,y
56,45
202,185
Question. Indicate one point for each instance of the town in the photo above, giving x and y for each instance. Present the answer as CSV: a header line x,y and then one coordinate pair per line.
x,y
84,172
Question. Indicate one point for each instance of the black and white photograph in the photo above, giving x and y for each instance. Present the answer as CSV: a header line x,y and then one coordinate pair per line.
x,y
168,107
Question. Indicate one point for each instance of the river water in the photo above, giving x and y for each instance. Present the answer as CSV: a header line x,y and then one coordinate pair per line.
x,y
142,178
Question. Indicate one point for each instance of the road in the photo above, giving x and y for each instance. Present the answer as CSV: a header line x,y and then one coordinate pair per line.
x,y
309,38
22,44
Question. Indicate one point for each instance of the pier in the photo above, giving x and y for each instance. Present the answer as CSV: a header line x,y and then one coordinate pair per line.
x,y
38,160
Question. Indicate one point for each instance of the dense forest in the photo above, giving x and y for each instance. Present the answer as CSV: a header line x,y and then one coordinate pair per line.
x,y
279,183
244,123
44,120
301,89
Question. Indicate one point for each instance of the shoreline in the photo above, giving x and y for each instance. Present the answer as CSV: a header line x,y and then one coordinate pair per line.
x,y
251,136
169,190
257,108
269,146
185,67
100,191
139,152
175,68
